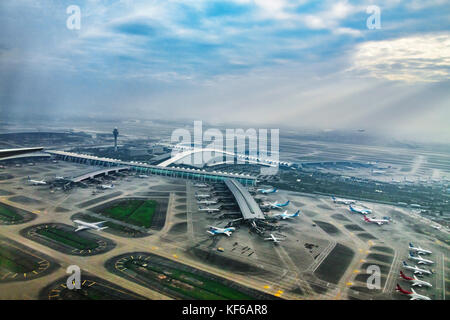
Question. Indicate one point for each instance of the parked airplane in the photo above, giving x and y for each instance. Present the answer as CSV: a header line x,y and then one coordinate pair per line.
x,y
207,202
360,210
419,259
267,191
418,250
377,221
107,186
209,210
412,294
142,176
59,178
215,230
285,215
273,238
414,281
82,225
203,196
36,182
342,201
201,185
416,269
277,205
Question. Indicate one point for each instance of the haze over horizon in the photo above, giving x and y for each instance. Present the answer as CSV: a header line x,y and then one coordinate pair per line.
x,y
299,63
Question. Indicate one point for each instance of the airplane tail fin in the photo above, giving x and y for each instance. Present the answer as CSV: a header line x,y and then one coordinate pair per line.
x,y
287,202
411,245
404,264
296,214
366,219
399,289
333,197
404,276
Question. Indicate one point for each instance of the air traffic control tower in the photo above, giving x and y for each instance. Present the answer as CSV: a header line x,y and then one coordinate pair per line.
x,y
116,134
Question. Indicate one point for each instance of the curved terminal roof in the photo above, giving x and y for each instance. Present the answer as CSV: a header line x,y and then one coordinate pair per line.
x,y
151,169
97,173
249,208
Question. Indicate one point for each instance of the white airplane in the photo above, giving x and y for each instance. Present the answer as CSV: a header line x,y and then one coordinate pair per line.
x,y
420,260
107,186
201,185
215,230
342,201
82,225
285,215
414,281
273,238
437,227
209,210
416,269
203,196
414,295
377,221
59,178
142,176
267,191
207,202
277,205
361,210
418,250
36,182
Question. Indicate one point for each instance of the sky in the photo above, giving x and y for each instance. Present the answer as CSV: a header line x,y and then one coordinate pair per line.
x,y
264,63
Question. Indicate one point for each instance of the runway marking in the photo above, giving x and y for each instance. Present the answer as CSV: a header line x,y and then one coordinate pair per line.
x,y
15,275
349,283
356,271
266,287
175,256
362,260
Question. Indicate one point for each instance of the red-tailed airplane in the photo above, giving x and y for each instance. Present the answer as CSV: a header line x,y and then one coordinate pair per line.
x,y
377,221
414,281
414,295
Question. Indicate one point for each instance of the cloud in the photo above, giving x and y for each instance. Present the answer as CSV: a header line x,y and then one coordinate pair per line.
x,y
421,58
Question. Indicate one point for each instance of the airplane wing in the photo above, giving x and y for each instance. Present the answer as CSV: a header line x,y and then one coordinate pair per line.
x,y
81,228
98,223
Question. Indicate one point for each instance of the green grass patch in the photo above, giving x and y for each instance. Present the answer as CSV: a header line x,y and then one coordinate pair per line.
x,y
9,214
10,262
68,238
136,212
189,284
